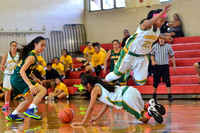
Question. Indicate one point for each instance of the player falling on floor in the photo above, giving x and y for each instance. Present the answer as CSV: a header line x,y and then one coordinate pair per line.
x,y
21,83
133,56
124,97
8,64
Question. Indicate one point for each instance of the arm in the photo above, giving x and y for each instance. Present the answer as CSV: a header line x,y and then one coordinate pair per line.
x,y
167,38
174,63
174,24
3,61
30,60
106,61
148,23
90,108
103,110
35,78
153,60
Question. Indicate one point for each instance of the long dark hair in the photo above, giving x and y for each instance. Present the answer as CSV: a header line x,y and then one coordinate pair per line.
x,y
150,15
87,78
26,49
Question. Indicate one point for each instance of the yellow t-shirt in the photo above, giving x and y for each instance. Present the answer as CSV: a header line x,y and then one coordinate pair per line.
x,y
41,69
66,61
98,59
88,52
103,51
63,87
59,68
40,59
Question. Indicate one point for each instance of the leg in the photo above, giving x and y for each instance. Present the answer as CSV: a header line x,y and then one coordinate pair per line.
x,y
62,95
111,76
41,93
67,73
168,85
20,108
155,86
98,70
141,71
88,69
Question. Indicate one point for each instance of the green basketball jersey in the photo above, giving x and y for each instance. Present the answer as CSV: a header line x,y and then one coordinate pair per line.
x,y
22,62
113,59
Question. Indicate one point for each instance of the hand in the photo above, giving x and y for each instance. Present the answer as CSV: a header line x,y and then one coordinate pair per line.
x,y
2,68
92,119
33,90
76,124
104,71
154,63
166,9
174,67
168,38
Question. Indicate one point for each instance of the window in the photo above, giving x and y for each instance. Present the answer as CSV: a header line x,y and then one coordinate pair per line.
x,y
96,5
164,0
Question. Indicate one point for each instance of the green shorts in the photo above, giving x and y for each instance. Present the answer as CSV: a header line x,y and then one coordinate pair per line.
x,y
20,87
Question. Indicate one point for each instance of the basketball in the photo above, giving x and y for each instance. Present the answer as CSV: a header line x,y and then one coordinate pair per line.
x,y
66,115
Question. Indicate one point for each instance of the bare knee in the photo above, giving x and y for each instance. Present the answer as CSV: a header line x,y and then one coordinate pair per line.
x,y
196,65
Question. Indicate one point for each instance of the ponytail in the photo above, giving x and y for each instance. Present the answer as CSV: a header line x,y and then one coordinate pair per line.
x,y
150,15
26,49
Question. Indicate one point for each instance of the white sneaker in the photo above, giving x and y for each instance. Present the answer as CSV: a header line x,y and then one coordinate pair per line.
x,y
153,112
159,107
67,96
46,97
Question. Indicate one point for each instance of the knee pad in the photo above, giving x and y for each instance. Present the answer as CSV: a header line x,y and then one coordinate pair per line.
x,y
155,85
168,84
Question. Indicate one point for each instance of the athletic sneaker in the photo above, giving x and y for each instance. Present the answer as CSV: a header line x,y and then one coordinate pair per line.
x,y
160,108
77,69
30,113
12,117
5,107
153,112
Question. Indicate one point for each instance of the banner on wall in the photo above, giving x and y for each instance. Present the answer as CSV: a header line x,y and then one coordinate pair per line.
x,y
140,3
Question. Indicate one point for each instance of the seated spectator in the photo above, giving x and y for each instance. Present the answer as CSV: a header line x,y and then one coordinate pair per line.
x,y
42,71
1,91
160,61
114,54
88,52
51,75
60,91
97,61
41,61
66,60
197,68
58,66
101,49
175,27
89,62
126,36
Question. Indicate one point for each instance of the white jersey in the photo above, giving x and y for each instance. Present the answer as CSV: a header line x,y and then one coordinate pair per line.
x,y
142,40
110,98
11,63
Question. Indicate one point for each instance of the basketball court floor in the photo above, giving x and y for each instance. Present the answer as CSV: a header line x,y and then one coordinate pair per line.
x,y
182,116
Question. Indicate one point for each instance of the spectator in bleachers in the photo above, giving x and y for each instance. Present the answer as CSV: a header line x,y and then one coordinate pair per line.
x,y
67,62
160,61
1,91
98,59
114,54
88,52
60,91
41,61
126,36
197,67
51,75
175,27
58,67
41,69
101,49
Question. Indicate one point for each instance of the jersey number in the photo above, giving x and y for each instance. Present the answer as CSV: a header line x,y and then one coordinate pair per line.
x,y
147,44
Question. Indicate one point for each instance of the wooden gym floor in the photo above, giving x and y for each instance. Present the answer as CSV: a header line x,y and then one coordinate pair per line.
x,y
182,116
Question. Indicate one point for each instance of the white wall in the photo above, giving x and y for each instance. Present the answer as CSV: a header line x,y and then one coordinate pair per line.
x,y
36,14
104,26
